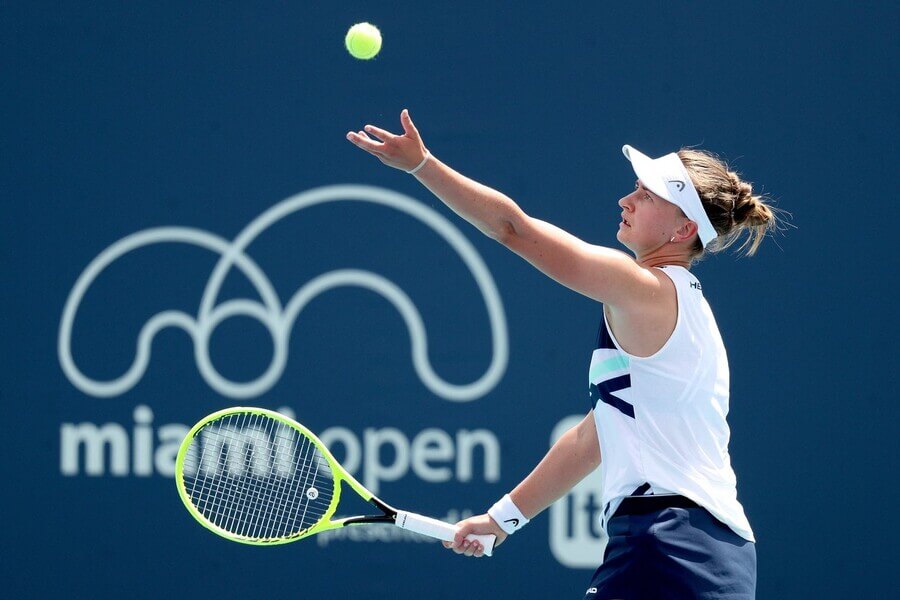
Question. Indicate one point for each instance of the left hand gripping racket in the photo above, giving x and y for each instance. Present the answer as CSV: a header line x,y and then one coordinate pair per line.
x,y
257,477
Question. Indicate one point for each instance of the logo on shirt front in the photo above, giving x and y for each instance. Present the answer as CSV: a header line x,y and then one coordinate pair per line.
x,y
606,390
609,374
696,285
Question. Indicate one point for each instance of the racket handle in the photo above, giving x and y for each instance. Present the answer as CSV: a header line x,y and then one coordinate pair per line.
x,y
440,530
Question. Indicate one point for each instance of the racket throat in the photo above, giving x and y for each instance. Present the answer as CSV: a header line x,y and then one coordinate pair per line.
x,y
389,516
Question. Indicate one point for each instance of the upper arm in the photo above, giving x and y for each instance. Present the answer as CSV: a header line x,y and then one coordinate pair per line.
x,y
586,436
601,273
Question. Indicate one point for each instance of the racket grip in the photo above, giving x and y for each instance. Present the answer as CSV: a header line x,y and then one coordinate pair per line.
x,y
440,530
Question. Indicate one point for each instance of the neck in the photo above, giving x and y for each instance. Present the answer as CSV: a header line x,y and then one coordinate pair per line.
x,y
665,255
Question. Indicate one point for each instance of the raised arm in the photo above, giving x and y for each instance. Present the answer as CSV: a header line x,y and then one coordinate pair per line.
x,y
600,273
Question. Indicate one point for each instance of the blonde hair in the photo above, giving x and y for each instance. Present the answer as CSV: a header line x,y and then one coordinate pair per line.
x,y
729,203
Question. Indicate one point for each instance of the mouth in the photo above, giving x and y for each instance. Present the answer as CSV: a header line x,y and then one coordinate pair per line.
x,y
625,222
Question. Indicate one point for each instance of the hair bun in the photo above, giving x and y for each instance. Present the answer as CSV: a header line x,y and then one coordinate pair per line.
x,y
728,201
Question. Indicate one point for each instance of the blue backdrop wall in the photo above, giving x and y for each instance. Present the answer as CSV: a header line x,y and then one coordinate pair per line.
x,y
188,125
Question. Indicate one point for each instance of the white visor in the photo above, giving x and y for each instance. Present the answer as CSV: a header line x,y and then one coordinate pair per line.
x,y
667,178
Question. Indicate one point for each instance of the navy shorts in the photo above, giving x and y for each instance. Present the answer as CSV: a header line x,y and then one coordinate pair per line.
x,y
674,553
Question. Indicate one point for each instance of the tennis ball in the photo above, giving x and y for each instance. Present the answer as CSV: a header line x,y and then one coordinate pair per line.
x,y
363,41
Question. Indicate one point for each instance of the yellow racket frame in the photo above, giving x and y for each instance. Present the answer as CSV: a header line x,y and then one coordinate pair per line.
x,y
324,524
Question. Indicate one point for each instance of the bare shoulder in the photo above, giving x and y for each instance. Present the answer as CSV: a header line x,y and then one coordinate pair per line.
x,y
650,289
642,327
664,281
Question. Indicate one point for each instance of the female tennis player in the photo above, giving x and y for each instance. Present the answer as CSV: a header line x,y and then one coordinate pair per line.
x,y
659,376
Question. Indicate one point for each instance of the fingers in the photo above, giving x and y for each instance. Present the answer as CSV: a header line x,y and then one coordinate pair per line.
x,y
361,140
397,151
381,134
473,549
408,127
464,529
466,548
461,545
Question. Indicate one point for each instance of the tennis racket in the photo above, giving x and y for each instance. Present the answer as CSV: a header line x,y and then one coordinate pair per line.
x,y
257,477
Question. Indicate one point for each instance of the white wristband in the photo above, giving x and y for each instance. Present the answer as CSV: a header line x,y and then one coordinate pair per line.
x,y
507,515
420,165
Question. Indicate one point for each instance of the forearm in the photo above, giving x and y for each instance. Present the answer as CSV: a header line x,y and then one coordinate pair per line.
x,y
574,456
493,213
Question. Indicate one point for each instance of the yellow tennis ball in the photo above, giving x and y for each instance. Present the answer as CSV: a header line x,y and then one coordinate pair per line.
x,y
363,41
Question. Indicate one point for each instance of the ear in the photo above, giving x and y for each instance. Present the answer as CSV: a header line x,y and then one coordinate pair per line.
x,y
687,230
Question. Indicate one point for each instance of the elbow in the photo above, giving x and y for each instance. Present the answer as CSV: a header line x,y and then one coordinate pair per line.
x,y
510,227
503,232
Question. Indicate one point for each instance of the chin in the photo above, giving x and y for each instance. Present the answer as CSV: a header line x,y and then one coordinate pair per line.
x,y
624,243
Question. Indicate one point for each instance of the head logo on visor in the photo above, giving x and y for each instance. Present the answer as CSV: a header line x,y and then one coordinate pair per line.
x,y
667,178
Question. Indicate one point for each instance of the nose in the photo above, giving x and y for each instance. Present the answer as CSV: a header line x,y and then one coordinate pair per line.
x,y
626,202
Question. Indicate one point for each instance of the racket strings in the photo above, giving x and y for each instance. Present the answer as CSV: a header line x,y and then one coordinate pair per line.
x,y
270,505
257,478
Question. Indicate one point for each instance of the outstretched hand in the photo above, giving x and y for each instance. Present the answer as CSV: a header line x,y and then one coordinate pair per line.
x,y
479,525
403,152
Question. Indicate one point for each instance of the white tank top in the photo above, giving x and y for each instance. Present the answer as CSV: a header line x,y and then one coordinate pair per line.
x,y
661,419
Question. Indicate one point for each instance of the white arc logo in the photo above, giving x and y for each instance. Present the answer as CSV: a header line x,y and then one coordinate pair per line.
x,y
278,319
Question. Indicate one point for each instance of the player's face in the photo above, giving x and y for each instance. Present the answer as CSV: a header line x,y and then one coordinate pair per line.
x,y
648,222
